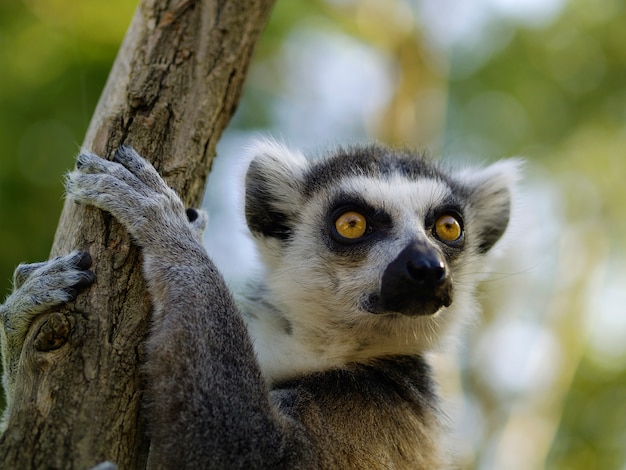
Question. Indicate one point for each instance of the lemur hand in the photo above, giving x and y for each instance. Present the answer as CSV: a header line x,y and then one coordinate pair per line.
x,y
135,194
38,288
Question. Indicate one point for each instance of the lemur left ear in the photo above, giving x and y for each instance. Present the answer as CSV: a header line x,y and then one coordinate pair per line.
x,y
490,191
273,189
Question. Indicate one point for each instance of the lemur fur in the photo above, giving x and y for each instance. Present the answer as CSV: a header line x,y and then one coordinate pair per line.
x,y
370,257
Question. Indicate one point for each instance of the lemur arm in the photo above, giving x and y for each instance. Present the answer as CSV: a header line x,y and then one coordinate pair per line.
x,y
208,405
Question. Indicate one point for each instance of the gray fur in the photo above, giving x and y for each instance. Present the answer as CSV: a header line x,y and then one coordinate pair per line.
x,y
310,367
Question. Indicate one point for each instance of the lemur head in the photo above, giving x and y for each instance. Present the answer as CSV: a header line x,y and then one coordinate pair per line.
x,y
382,243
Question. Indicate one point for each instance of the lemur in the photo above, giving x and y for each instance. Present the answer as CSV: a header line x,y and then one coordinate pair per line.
x,y
370,257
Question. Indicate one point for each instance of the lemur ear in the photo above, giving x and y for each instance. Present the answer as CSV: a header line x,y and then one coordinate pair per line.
x,y
273,189
490,191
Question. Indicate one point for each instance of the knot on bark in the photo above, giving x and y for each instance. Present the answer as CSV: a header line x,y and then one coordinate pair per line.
x,y
53,333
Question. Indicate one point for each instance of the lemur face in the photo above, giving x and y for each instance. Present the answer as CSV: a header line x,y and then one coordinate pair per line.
x,y
402,238
368,231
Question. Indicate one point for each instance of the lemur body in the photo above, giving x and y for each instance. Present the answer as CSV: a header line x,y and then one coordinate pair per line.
x,y
370,256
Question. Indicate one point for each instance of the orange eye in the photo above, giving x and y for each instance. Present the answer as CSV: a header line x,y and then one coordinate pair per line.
x,y
448,229
351,225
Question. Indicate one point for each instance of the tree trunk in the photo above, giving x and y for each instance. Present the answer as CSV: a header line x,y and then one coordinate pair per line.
x,y
171,92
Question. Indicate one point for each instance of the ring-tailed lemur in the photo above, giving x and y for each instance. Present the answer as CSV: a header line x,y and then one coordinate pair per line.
x,y
370,256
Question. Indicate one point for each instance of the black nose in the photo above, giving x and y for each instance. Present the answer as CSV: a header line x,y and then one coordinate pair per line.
x,y
417,282
425,269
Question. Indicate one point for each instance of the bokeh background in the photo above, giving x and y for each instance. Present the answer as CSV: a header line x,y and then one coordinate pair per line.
x,y
540,378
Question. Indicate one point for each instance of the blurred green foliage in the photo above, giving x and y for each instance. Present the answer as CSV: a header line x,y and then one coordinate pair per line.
x,y
593,428
552,91
55,59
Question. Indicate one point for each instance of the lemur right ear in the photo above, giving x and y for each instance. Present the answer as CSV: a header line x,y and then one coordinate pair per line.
x,y
273,189
490,192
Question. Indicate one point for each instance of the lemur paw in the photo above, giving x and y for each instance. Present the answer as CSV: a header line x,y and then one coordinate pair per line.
x,y
132,190
40,287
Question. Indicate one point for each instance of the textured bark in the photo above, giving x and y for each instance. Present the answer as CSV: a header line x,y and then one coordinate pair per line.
x,y
171,92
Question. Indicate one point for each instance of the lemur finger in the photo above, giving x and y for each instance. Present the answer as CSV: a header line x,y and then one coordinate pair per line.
x,y
81,259
75,261
136,212
86,279
192,215
140,167
51,284
91,164
198,220
23,272
105,192
69,274
66,272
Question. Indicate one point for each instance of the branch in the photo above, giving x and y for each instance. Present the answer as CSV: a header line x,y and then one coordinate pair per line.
x,y
172,90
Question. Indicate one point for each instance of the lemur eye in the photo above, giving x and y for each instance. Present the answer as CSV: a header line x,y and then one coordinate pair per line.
x,y
351,225
448,229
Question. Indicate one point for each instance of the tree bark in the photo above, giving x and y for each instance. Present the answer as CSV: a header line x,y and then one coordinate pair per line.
x,y
172,90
